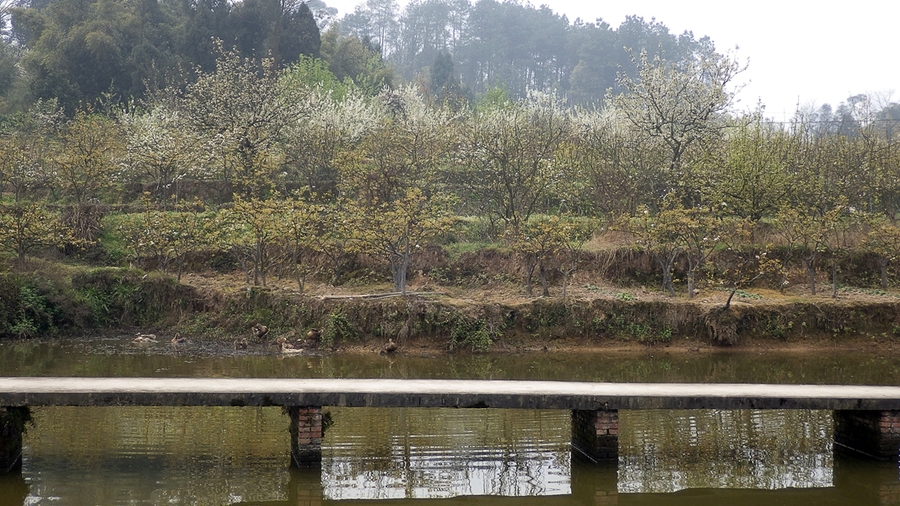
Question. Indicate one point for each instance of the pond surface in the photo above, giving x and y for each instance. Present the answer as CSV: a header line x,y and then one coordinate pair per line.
x,y
214,455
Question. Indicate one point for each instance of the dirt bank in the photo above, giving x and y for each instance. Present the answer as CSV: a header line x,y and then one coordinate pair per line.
x,y
493,315
499,317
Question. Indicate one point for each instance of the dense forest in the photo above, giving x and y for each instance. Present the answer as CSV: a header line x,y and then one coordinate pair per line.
x,y
154,133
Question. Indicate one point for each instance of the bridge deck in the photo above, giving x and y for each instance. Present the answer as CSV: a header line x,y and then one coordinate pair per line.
x,y
45,391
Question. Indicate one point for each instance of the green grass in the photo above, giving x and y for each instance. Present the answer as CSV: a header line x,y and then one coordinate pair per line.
x,y
111,239
456,249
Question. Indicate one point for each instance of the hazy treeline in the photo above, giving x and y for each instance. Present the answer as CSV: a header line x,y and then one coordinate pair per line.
x,y
84,51
514,46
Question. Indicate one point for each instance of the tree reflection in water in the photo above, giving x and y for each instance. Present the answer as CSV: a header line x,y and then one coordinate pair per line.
x,y
667,451
107,456
434,453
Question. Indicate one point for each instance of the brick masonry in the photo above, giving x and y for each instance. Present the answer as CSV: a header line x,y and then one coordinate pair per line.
x,y
595,434
874,433
306,435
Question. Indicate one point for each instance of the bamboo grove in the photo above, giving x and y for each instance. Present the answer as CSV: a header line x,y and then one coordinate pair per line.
x,y
276,166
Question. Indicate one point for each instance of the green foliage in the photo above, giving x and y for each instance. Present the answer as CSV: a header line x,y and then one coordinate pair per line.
x,y
777,326
33,314
456,249
393,230
494,98
474,334
747,295
337,327
752,177
122,297
350,59
313,73
113,296
112,241
551,240
89,51
645,332
85,158
27,307
165,237
811,234
28,227
278,30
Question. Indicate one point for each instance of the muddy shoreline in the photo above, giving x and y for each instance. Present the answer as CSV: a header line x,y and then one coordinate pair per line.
x,y
430,348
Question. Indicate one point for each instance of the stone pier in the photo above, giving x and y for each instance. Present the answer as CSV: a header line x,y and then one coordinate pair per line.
x,y
595,434
10,439
873,433
306,435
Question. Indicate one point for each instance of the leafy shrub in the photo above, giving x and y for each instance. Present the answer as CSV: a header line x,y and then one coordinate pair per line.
x,y
472,333
337,327
25,309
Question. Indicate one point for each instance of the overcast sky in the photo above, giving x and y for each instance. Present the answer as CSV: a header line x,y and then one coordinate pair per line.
x,y
799,51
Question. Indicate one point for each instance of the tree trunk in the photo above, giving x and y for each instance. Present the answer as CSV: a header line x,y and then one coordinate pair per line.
x,y
20,253
882,266
667,264
295,263
395,273
543,275
784,275
240,256
730,297
667,283
338,260
530,264
567,275
834,278
256,262
690,282
811,274
404,265
263,263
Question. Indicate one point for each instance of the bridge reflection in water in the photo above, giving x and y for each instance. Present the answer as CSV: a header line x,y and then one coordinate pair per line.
x,y
398,454
221,455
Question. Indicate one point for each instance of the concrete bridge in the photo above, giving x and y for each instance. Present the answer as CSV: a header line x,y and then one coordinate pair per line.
x,y
867,418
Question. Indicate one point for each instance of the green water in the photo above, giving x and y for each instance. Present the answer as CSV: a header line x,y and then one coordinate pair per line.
x,y
153,455
120,357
